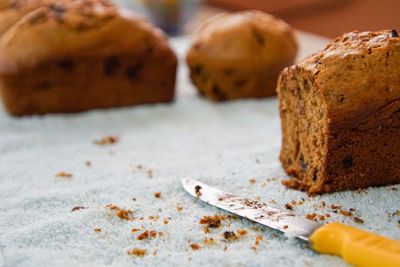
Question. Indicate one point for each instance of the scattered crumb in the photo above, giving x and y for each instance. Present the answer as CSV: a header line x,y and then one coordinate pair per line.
x,y
88,163
97,229
311,216
358,220
107,140
285,227
209,241
197,189
242,232
255,228
137,252
166,221
77,208
179,208
257,242
134,230
64,175
352,209
335,207
289,206
150,173
121,213
143,235
252,181
146,234
230,236
124,214
153,233
157,194
345,213
139,166
195,246
212,221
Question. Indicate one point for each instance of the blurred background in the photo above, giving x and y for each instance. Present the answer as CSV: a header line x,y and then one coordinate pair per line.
x,y
329,18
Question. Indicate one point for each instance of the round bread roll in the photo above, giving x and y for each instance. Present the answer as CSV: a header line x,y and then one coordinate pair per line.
x,y
240,55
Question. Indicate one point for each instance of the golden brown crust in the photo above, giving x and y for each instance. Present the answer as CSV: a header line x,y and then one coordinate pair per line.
x,y
351,63
240,55
340,115
83,55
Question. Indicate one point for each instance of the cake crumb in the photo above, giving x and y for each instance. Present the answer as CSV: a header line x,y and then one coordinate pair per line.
x,y
242,232
179,208
139,166
230,236
166,221
77,208
311,216
289,206
252,181
121,213
97,229
358,220
64,175
107,140
197,189
209,241
212,221
345,213
88,163
137,252
134,230
157,194
195,246
143,236
150,173
153,233
257,241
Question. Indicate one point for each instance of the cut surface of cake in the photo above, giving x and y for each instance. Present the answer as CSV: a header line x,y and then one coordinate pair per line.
x,y
340,115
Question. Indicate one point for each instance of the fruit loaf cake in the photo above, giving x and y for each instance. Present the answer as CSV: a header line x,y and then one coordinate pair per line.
x,y
340,113
76,55
240,55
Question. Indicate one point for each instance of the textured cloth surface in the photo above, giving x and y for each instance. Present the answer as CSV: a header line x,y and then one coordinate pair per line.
x,y
223,144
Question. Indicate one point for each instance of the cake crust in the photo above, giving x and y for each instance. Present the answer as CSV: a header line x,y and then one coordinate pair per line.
x,y
340,115
240,55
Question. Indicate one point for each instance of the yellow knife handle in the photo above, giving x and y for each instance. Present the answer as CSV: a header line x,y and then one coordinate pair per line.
x,y
355,246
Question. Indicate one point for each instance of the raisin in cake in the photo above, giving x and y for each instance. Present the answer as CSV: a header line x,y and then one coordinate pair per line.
x,y
76,55
340,112
240,55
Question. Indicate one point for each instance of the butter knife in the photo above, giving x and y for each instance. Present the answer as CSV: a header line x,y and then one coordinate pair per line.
x,y
355,246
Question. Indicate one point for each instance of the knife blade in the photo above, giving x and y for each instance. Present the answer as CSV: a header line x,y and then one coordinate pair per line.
x,y
355,246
